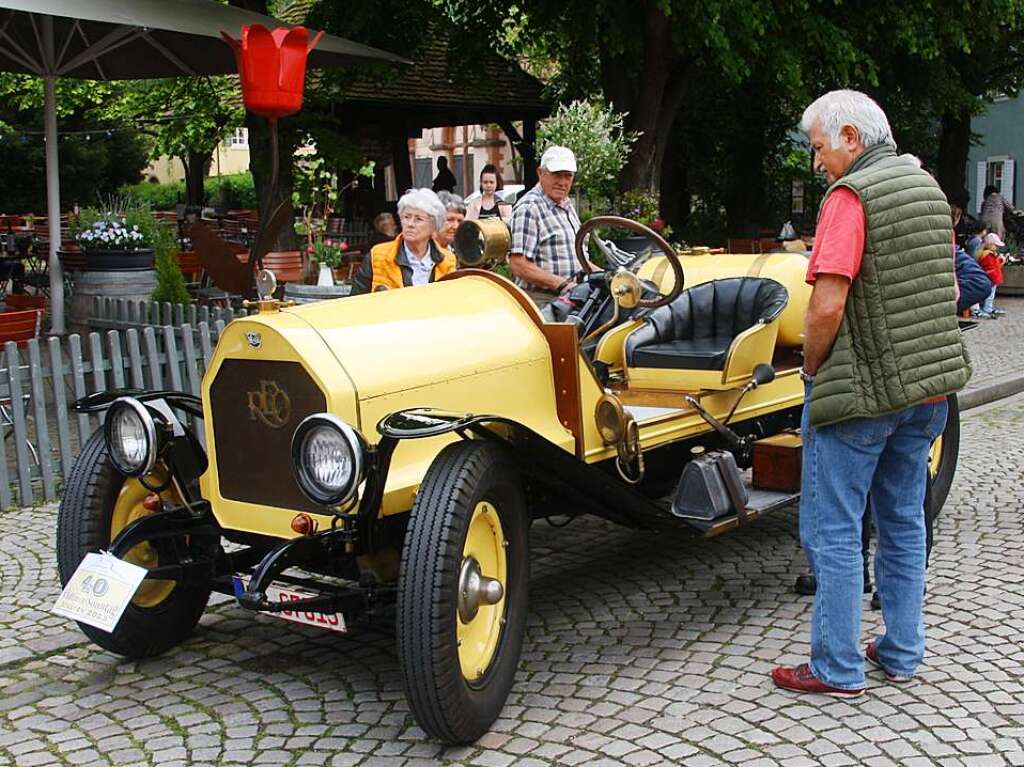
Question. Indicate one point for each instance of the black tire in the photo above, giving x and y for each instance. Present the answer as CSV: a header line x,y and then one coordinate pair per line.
x,y
83,526
445,704
938,486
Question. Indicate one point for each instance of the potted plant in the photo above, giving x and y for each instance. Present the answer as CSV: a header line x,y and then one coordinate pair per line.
x,y
640,205
1013,276
316,193
118,237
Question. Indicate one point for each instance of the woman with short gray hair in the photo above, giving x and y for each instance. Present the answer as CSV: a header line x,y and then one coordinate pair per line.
x,y
414,257
455,213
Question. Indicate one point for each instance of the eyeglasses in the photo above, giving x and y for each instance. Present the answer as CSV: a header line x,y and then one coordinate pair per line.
x,y
414,218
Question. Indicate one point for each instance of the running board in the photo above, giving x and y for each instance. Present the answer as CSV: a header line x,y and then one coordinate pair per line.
x,y
760,502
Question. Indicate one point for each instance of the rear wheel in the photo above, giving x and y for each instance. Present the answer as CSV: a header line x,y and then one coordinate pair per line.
x,y
942,461
98,503
462,592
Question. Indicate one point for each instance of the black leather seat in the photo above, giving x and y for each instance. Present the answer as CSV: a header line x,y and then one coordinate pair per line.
x,y
695,331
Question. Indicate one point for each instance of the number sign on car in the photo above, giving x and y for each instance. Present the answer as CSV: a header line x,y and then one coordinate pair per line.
x,y
275,593
99,591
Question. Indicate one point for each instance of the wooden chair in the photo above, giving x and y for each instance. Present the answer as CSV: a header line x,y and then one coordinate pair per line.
x,y
21,301
287,265
20,326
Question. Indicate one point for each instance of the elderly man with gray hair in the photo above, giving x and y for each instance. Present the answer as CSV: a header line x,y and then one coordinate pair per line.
x,y
414,257
881,351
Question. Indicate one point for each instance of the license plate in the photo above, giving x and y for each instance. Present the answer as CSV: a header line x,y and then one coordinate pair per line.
x,y
275,593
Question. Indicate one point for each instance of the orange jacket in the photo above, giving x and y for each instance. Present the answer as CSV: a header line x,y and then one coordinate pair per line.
x,y
386,267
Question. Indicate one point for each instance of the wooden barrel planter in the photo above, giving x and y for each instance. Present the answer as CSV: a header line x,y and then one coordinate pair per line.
x,y
307,294
131,285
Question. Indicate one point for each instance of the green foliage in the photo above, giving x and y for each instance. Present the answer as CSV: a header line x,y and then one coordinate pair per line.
x,y
170,282
315,192
92,160
231,191
183,115
596,135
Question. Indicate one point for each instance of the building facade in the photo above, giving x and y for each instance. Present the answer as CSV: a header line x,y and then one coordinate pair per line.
x,y
993,160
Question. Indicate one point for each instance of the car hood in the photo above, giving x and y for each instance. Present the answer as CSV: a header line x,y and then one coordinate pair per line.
x,y
401,340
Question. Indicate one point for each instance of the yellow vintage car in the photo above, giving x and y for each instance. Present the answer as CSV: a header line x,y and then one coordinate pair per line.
x,y
386,454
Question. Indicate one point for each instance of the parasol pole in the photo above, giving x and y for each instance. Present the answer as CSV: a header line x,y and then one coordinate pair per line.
x,y
52,179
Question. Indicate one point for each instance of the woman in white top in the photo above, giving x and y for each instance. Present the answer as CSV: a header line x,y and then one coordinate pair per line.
x,y
487,205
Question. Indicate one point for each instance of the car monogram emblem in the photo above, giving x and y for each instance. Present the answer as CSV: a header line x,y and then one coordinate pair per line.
x,y
255,339
270,404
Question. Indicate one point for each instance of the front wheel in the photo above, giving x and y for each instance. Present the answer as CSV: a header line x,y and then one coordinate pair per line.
x,y
462,591
98,503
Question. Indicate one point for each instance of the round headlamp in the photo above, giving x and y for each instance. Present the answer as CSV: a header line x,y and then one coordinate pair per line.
x,y
327,458
131,436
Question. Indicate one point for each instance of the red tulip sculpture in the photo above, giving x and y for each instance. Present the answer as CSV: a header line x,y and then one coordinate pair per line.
x,y
272,67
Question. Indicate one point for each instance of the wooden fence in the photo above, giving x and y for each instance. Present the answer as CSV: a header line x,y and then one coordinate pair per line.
x,y
121,314
42,435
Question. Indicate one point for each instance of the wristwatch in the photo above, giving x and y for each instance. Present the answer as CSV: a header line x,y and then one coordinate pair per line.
x,y
805,376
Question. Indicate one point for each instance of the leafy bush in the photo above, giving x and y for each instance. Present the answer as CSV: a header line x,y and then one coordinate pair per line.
x,y
118,223
596,134
233,191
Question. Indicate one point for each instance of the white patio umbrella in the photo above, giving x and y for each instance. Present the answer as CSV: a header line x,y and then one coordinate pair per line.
x,y
129,40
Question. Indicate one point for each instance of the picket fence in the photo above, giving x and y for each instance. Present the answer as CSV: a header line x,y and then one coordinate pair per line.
x,y
121,314
42,434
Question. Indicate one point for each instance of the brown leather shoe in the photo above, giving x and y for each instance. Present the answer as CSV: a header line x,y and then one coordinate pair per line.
x,y
871,653
800,679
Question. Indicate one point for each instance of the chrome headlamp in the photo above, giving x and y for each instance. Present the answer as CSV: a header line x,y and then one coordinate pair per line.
x,y
131,436
327,458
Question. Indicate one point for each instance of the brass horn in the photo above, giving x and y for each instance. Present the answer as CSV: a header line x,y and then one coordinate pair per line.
x,y
481,242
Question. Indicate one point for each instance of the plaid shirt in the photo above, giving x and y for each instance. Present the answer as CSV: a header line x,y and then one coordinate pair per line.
x,y
545,232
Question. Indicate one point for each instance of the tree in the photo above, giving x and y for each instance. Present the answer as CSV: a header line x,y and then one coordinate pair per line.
x,y
185,117
97,156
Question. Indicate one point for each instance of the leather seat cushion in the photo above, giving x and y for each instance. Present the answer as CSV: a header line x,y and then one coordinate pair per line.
x,y
698,354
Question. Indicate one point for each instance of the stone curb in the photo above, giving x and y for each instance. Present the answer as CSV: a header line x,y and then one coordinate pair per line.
x,y
1001,389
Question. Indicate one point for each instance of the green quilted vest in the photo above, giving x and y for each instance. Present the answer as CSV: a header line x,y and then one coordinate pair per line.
x,y
898,344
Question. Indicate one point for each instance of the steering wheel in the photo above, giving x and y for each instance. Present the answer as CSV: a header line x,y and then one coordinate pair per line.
x,y
621,261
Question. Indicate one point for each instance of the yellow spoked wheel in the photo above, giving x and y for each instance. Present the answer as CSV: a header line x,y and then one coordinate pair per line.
x,y
98,503
935,458
127,509
481,601
463,590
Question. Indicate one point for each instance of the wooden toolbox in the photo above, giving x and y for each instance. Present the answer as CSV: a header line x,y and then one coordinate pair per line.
x,y
777,462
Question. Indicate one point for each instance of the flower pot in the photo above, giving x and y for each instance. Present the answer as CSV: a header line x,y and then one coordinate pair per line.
x,y
118,260
1013,281
326,275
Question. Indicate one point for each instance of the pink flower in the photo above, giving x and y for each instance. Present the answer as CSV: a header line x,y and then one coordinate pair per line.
x,y
658,224
344,245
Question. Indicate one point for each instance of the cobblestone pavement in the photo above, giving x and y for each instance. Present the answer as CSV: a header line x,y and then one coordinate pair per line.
x,y
995,345
642,649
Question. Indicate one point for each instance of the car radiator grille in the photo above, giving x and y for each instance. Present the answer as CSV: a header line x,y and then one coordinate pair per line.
x,y
255,407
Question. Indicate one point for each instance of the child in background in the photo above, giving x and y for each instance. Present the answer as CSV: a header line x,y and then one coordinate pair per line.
x,y
976,231
992,262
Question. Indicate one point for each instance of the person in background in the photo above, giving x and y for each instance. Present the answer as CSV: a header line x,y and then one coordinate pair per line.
x,y
994,209
455,213
413,257
976,232
991,261
384,228
444,181
487,205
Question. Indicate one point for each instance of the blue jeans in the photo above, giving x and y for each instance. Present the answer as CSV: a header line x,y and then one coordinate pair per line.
x,y
990,302
886,458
